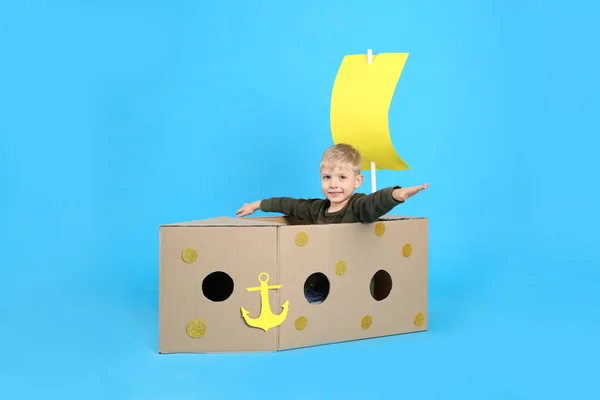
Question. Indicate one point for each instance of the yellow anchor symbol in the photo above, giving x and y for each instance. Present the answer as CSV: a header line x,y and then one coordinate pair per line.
x,y
266,320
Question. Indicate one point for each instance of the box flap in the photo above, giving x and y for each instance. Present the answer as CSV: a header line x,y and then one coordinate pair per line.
x,y
223,221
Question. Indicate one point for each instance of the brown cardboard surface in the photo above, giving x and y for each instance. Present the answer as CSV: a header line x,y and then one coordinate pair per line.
x,y
290,251
241,253
363,253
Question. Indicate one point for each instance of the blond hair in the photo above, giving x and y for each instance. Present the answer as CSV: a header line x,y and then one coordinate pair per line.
x,y
341,153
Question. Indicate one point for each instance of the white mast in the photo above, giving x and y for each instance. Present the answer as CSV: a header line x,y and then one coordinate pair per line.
x,y
373,168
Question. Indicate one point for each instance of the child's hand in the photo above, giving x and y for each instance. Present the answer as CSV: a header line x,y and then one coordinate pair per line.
x,y
248,209
405,193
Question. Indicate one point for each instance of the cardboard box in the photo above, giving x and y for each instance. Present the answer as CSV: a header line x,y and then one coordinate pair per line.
x,y
374,276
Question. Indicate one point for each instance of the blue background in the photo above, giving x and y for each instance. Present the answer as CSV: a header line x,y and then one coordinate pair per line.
x,y
117,116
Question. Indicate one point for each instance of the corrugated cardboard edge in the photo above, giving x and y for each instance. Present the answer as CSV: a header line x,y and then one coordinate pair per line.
x,y
224,221
391,217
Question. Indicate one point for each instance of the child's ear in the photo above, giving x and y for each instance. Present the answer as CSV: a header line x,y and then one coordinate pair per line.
x,y
359,180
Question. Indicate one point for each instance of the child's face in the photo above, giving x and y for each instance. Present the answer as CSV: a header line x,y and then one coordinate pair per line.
x,y
339,183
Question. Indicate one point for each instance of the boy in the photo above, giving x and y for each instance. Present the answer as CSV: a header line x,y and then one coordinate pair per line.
x,y
340,177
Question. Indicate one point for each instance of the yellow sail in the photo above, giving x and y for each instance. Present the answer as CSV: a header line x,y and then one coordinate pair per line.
x,y
360,102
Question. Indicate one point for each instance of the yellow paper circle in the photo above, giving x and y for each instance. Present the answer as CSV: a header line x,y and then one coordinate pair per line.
x,y
379,228
189,255
301,239
340,267
366,322
196,328
419,319
300,323
407,250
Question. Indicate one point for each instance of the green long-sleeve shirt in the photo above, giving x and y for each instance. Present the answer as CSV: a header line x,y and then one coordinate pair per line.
x,y
365,208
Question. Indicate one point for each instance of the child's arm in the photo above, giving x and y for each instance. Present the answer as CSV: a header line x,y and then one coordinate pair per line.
x,y
303,209
371,207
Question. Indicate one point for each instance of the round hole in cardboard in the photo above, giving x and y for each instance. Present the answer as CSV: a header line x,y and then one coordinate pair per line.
x,y
316,288
381,285
217,286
